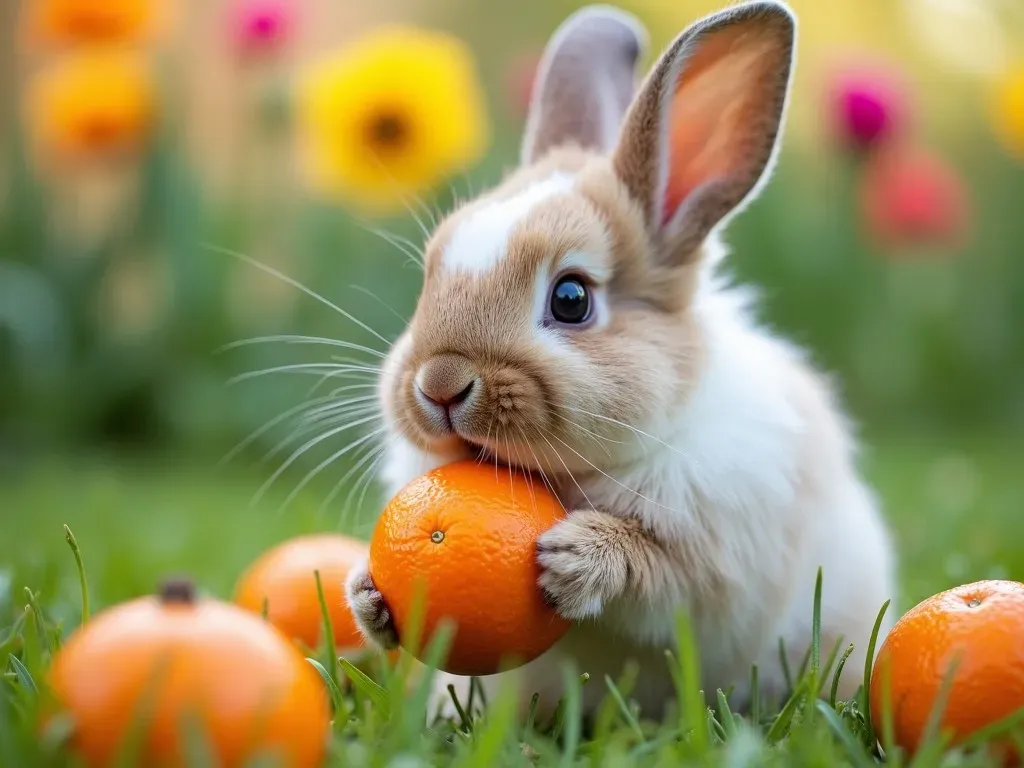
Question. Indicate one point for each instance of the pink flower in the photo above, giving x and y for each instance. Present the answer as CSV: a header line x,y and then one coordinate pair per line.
x,y
262,26
868,105
912,197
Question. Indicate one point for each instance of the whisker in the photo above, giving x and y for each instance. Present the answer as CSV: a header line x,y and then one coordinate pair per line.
x,y
566,467
380,301
336,405
365,479
336,489
336,374
630,427
304,368
297,339
269,425
402,244
540,468
305,429
326,463
613,479
519,461
303,449
296,284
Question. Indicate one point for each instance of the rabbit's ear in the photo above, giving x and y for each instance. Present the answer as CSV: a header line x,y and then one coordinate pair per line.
x,y
703,130
585,81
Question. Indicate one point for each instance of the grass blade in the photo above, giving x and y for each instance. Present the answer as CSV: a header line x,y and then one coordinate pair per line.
x,y
838,674
572,718
725,716
627,713
39,619
826,670
854,750
787,675
692,707
332,685
816,629
933,742
13,639
24,676
364,684
467,725
755,697
998,729
328,638
80,565
868,663
785,716
531,717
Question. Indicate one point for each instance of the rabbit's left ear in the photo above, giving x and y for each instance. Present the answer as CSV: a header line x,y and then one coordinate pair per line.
x,y
584,82
702,132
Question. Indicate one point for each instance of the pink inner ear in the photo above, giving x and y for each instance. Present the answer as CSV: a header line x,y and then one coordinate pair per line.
x,y
714,112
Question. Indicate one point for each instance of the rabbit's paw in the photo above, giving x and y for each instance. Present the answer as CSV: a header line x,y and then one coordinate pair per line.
x,y
371,612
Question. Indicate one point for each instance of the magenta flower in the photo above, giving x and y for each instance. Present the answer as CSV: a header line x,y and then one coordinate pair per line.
x,y
262,26
868,106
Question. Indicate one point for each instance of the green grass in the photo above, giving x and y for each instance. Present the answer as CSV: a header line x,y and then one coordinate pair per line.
x,y
954,507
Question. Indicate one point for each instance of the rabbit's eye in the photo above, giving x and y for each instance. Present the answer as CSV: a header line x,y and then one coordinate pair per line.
x,y
570,301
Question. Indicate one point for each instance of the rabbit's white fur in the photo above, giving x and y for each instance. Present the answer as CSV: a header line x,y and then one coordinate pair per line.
x,y
764,447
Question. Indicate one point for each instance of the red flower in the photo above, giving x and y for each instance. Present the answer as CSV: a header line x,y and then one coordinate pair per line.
x,y
911,197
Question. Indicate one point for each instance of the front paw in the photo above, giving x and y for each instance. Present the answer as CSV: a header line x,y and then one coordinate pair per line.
x,y
369,609
584,562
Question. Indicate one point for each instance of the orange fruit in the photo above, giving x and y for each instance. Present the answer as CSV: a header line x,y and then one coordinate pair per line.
x,y
467,533
982,626
164,660
284,577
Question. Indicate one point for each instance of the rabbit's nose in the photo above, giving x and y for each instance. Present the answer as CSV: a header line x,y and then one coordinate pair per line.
x,y
446,380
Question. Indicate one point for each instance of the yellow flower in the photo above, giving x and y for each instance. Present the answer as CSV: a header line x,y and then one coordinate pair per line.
x,y
1008,112
96,102
390,116
64,22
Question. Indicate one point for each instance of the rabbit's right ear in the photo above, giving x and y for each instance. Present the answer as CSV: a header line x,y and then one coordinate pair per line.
x,y
585,82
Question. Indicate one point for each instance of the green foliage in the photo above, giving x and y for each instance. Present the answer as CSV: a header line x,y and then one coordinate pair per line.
x,y
921,341
383,712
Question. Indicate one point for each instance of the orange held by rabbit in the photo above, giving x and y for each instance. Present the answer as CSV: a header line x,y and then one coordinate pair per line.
x,y
468,518
572,322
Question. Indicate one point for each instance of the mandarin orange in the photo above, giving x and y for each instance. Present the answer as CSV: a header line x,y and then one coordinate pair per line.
x,y
284,577
463,539
176,657
981,626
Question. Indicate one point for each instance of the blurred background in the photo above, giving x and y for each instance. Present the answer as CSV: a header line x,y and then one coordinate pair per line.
x,y
162,159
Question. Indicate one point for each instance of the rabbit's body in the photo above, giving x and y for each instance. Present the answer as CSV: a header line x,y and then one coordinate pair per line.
x,y
752,487
572,322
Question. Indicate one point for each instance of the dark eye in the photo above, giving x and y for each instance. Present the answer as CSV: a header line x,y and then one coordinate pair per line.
x,y
570,301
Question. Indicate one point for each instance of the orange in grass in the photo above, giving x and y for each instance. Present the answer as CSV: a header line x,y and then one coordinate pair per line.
x,y
284,578
981,626
467,533
177,656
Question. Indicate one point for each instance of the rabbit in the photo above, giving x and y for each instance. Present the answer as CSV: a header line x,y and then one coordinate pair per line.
x,y
574,321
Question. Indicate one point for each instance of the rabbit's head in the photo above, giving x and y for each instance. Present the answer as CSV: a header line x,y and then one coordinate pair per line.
x,y
555,320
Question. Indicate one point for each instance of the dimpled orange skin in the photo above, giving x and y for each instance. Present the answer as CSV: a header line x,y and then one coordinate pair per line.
x,y
284,576
983,623
482,573
250,688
